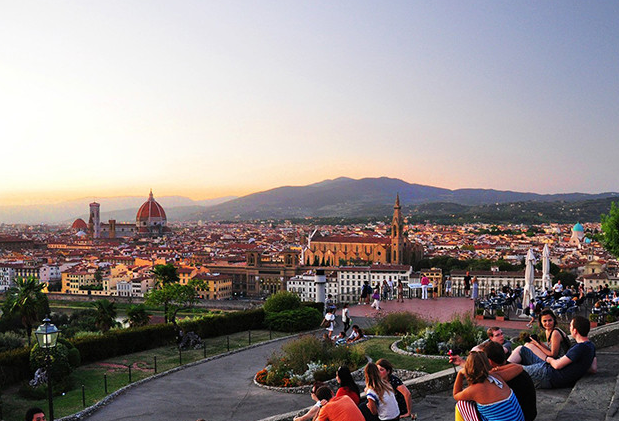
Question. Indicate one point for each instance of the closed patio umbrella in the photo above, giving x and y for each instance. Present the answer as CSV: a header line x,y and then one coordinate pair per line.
x,y
529,280
546,283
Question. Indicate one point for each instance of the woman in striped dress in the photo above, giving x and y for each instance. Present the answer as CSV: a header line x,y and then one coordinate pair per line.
x,y
495,400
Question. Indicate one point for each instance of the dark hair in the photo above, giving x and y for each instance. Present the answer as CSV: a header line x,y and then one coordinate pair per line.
x,y
385,364
547,312
491,330
346,379
31,412
316,385
324,392
494,352
581,325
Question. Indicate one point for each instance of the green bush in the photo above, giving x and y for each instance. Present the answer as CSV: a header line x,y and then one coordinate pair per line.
x,y
11,340
399,323
298,320
318,306
14,366
459,333
60,367
282,301
307,359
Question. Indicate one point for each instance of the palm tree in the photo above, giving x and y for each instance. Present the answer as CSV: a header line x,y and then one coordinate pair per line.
x,y
137,316
25,299
105,317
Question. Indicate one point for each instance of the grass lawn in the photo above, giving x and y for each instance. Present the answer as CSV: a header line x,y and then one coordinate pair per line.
x,y
142,366
377,348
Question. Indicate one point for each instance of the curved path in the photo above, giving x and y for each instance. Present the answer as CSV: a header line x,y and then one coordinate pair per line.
x,y
221,389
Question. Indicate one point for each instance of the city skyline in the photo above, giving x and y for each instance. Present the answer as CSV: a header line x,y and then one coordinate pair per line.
x,y
206,100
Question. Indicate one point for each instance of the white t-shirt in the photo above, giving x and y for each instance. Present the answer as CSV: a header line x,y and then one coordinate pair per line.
x,y
345,315
388,409
330,317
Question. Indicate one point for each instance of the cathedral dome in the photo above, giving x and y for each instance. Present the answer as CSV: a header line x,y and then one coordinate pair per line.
x,y
578,227
79,225
151,218
151,211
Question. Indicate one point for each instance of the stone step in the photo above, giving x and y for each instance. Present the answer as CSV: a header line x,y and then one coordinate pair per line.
x,y
590,399
613,409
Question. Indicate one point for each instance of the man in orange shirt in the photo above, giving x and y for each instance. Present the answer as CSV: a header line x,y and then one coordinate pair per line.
x,y
341,408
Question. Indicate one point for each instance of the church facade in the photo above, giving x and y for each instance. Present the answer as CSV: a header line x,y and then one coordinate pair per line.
x,y
349,250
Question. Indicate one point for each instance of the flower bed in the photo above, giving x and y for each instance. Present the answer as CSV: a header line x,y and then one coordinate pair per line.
x,y
461,334
306,360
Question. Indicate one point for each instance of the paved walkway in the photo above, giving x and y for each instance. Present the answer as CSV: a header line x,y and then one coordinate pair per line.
x,y
221,389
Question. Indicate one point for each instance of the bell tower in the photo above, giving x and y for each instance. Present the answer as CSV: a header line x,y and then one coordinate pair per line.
x,y
397,236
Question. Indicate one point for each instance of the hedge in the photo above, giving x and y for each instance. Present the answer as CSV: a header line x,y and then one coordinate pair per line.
x,y
14,364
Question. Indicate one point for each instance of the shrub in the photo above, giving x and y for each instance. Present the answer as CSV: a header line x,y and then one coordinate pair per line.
x,y
14,366
282,301
307,359
400,323
304,318
460,333
11,340
59,368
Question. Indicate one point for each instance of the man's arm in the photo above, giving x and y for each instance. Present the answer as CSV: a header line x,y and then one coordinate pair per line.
x,y
594,366
508,371
558,364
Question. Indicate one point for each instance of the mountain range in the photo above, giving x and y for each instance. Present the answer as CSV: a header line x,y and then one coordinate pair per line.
x,y
341,198
374,197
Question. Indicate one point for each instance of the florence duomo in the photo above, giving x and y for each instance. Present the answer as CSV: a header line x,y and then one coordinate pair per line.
x,y
150,221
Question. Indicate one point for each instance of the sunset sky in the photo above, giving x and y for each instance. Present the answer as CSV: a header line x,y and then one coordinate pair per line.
x,y
215,98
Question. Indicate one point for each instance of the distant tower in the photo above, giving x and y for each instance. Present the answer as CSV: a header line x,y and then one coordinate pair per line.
x,y
397,235
94,222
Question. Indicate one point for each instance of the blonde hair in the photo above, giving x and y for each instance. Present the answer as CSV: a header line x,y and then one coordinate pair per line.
x,y
477,367
375,382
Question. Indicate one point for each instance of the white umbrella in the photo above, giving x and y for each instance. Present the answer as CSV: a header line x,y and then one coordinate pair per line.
x,y
546,268
529,280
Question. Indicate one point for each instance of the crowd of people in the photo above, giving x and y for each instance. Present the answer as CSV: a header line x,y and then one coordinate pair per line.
x,y
501,381
387,398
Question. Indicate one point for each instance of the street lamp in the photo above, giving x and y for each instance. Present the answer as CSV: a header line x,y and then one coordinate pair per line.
x,y
47,335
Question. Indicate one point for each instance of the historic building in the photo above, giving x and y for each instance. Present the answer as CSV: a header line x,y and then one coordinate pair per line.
x,y
345,250
150,220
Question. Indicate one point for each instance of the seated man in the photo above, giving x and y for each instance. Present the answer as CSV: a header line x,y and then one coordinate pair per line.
x,y
567,370
495,334
341,408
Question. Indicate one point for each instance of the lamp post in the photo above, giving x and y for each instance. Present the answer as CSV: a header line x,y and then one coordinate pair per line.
x,y
47,335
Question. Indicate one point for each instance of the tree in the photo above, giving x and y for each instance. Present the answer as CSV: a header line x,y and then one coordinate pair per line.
x,y
137,316
26,300
175,297
165,275
105,317
610,229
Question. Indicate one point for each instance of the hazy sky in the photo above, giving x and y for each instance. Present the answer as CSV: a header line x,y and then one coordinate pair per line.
x,y
214,98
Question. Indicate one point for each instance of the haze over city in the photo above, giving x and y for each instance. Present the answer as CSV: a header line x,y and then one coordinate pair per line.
x,y
210,99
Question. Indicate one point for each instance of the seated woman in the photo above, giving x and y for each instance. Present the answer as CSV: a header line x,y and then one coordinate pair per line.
x,y
380,396
348,386
556,346
309,415
494,399
356,335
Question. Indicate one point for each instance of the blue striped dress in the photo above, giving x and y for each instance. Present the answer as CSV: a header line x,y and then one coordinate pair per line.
x,y
506,410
